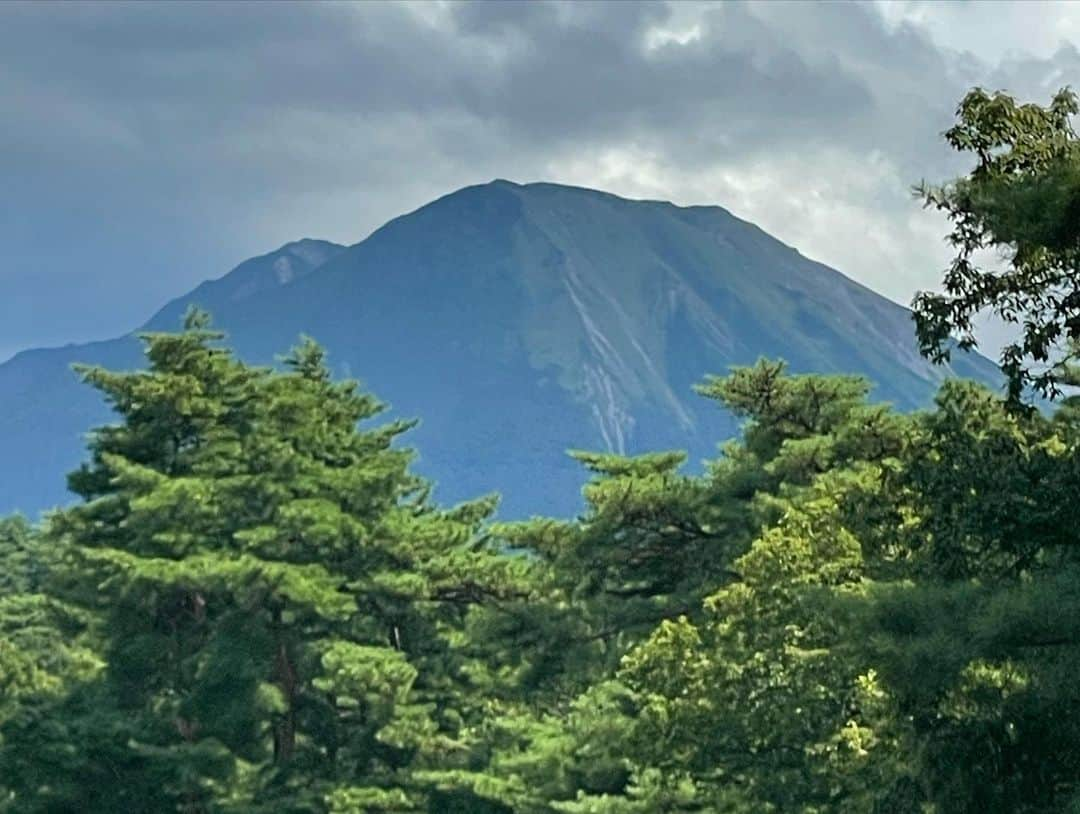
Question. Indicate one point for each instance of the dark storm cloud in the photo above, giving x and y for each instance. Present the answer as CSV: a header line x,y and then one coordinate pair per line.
x,y
539,71
146,146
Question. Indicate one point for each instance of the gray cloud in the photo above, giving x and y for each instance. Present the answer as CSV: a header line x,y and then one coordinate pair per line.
x,y
145,147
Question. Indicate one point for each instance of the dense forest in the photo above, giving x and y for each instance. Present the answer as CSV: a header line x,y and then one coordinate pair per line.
x,y
256,606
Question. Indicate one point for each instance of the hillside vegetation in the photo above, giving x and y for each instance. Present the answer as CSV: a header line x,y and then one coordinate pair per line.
x,y
257,606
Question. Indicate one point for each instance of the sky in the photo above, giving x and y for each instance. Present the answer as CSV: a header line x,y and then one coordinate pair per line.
x,y
147,147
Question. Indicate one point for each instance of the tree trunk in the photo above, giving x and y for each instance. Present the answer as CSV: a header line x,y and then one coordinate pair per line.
x,y
285,677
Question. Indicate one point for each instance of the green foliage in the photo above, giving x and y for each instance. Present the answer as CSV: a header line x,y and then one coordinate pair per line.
x,y
1022,198
24,558
276,600
256,608
882,623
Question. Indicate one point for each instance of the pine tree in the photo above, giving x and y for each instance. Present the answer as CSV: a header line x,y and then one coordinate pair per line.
x,y
279,598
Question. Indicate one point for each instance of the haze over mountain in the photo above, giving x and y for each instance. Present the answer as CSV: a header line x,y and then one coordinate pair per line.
x,y
516,321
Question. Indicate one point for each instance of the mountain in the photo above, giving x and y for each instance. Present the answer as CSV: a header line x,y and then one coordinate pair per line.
x,y
516,321
48,411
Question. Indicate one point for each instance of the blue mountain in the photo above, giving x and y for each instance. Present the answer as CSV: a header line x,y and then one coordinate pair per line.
x,y
516,322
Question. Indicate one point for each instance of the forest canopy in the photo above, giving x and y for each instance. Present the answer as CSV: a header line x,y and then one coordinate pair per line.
x,y
256,606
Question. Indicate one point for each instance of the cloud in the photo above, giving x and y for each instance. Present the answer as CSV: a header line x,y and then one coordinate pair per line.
x,y
145,147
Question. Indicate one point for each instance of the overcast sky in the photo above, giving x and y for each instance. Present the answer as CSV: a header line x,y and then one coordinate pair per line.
x,y
146,147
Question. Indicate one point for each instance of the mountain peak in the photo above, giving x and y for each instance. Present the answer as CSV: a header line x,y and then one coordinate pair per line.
x,y
570,190
289,262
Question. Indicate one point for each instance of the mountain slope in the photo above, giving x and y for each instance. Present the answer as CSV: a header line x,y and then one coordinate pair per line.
x,y
48,411
516,322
